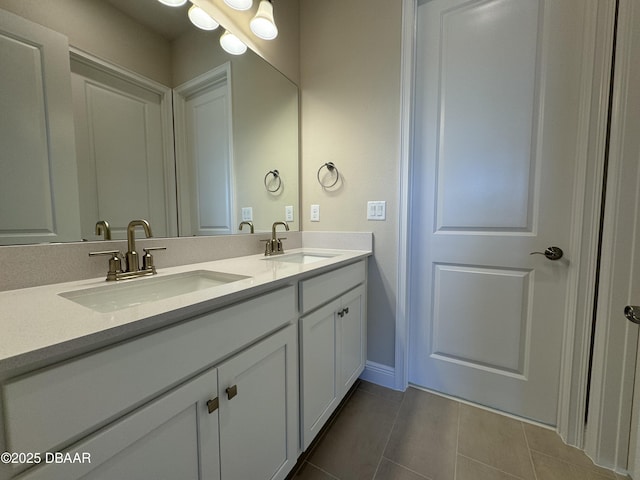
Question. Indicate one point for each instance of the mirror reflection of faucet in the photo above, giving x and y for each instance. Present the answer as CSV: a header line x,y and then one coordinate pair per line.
x,y
132,268
274,246
103,228
250,224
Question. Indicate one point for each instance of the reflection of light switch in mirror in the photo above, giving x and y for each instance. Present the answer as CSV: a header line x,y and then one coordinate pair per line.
x,y
315,213
247,214
288,213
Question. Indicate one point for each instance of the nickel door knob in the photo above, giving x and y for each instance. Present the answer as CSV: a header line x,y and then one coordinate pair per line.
x,y
552,253
632,312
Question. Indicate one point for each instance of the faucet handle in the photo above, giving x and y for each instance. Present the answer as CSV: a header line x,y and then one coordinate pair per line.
x,y
147,258
115,262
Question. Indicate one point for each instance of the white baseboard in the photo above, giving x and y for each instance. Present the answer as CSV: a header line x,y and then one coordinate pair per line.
x,y
379,374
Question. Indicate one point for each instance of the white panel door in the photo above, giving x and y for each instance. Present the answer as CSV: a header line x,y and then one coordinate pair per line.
x,y
204,154
497,111
125,160
38,179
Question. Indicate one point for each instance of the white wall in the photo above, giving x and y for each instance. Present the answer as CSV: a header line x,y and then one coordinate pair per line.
x,y
350,84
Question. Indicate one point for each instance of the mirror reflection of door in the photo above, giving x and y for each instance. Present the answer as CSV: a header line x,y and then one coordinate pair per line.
x,y
124,149
38,186
202,123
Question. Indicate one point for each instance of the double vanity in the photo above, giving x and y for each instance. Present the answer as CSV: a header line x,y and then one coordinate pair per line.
x,y
219,370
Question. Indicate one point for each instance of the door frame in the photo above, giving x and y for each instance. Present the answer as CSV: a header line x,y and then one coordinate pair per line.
x,y
218,76
585,216
615,342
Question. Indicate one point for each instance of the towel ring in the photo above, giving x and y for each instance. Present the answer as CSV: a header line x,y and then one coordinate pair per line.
x,y
276,176
331,167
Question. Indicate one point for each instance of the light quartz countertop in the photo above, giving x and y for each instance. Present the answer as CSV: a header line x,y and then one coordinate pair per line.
x,y
38,326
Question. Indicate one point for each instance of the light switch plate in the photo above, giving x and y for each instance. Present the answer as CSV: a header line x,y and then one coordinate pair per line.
x,y
288,213
247,214
315,213
377,210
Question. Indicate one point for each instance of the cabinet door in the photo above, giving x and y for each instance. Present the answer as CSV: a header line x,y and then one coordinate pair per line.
x,y
173,437
352,338
259,410
318,367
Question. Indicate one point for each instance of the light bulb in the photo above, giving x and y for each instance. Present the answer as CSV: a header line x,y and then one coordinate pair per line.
x,y
232,44
202,19
263,25
239,4
173,3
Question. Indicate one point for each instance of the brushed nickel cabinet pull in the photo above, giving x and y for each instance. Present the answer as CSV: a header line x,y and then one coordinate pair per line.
x,y
213,404
232,391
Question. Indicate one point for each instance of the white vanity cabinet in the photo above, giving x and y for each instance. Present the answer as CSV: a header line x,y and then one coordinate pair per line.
x,y
332,342
259,408
173,436
214,397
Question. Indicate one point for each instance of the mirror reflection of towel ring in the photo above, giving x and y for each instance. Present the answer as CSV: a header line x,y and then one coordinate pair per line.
x,y
331,168
276,176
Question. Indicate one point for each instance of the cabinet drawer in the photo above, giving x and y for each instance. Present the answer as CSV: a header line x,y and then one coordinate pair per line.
x,y
318,290
49,408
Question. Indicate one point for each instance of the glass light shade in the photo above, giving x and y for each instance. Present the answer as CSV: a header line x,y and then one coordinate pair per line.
x,y
173,3
202,19
239,4
262,25
232,44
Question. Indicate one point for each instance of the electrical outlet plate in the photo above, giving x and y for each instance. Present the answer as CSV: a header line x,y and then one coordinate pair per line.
x,y
315,213
288,213
377,210
247,214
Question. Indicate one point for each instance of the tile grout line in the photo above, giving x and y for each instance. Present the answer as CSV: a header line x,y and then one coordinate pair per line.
x,y
526,439
323,471
406,468
393,426
612,475
492,467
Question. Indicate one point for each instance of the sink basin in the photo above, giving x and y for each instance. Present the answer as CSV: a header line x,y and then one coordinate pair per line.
x,y
109,298
302,257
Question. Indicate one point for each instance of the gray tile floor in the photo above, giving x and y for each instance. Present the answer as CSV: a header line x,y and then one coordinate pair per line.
x,y
380,434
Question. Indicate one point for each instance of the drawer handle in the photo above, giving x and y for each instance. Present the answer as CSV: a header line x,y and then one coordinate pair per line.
x,y
343,312
212,405
232,391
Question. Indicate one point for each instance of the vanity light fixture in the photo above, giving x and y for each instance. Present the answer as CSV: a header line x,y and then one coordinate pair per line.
x,y
263,25
239,4
232,44
173,3
202,19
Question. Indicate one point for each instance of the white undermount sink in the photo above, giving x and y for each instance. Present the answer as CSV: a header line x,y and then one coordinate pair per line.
x,y
116,296
302,257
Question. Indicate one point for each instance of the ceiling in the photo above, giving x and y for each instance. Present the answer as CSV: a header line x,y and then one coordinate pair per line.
x,y
169,22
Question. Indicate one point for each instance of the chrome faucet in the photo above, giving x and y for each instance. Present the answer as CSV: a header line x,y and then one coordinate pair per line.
x,y
116,272
250,224
102,228
274,246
